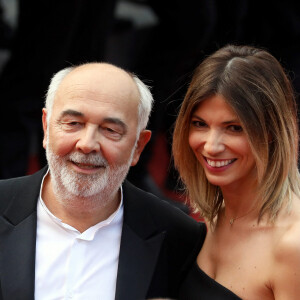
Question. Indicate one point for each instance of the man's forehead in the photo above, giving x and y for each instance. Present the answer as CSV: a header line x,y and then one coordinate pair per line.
x,y
99,72
99,79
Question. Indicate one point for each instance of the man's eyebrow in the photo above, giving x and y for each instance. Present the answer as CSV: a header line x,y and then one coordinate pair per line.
x,y
75,113
71,112
117,122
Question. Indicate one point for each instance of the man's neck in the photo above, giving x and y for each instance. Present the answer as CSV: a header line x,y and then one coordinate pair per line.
x,y
78,212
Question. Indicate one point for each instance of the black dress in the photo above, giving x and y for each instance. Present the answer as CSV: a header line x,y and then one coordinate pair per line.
x,y
199,286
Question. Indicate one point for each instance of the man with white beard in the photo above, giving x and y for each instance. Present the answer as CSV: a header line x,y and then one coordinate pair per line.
x,y
77,229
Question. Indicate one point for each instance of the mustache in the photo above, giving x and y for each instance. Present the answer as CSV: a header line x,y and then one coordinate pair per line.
x,y
90,158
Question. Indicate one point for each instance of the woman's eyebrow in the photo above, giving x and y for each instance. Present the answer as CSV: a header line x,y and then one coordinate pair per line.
x,y
236,120
197,117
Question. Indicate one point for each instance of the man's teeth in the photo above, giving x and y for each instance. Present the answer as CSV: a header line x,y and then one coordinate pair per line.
x,y
219,163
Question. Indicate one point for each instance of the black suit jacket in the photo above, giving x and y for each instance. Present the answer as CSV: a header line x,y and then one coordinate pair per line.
x,y
158,242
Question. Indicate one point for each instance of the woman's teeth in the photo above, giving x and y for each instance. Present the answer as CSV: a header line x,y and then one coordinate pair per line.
x,y
219,163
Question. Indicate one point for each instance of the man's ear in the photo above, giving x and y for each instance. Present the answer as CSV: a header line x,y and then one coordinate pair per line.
x,y
144,138
44,120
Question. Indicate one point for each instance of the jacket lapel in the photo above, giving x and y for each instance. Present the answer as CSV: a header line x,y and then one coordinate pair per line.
x,y
140,246
137,262
18,258
18,238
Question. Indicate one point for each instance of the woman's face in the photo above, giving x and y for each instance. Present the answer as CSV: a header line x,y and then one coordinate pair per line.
x,y
220,144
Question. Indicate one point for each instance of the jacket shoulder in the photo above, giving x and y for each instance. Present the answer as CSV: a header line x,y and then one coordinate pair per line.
x,y
13,189
144,208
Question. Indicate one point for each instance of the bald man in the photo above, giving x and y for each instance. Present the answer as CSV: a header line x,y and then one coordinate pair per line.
x,y
77,229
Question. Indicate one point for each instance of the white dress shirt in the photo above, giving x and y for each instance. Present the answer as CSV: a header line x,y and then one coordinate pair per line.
x,y
74,265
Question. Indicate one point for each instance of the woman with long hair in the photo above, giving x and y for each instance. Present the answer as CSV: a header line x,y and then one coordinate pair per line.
x,y
235,146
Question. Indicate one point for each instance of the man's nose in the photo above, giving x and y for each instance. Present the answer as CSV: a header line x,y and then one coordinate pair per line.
x,y
88,141
214,143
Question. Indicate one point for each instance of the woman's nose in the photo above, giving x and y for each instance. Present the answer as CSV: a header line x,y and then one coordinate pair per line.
x,y
214,143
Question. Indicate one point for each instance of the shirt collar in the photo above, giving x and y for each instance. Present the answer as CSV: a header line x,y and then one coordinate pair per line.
x,y
89,234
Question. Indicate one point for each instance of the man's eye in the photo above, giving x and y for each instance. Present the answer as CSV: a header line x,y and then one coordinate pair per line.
x,y
110,130
72,125
112,133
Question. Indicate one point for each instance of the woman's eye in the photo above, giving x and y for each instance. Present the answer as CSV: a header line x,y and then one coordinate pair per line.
x,y
236,128
198,123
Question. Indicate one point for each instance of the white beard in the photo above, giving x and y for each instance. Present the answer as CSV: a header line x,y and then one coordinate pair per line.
x,y
75,189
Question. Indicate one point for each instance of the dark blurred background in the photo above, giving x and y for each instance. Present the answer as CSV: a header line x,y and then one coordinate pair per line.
x,y
161,41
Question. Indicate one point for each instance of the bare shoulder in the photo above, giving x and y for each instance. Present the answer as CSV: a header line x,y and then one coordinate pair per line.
x,y
286,251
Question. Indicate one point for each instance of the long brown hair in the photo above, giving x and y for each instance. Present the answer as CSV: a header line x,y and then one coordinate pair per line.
x,y
257,88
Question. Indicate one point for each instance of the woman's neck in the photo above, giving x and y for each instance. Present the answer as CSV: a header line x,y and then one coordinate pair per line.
x,y
240,202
